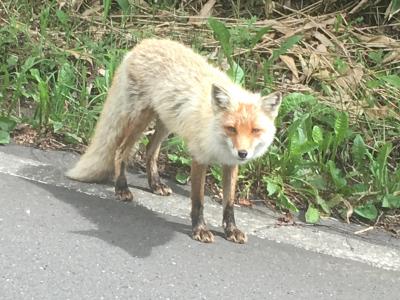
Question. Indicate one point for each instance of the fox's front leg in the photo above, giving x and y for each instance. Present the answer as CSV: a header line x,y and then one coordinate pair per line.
x,y
229,178
199,228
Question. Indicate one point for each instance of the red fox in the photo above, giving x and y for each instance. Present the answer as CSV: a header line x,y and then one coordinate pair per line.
x,y
220,122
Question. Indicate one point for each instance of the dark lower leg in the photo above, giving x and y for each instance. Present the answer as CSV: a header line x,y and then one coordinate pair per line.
x,y
121,185
200,231
129,137
232,233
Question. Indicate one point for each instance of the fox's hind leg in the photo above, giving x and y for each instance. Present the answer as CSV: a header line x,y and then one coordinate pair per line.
x,y
152,152
130,135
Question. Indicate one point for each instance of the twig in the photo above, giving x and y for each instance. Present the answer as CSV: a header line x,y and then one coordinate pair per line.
x,y
364,230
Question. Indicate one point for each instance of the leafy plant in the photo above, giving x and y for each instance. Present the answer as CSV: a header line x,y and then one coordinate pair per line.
x,y
178,155
7,125
106,7
283,49
223,35
56,71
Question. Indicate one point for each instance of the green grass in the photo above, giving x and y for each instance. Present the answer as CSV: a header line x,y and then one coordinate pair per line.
x,y
328,158
322,160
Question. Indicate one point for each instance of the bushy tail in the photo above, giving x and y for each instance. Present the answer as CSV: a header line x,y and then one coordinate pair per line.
x,y
97,164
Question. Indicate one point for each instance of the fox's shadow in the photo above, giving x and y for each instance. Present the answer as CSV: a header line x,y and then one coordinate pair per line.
x,y
138,180
128,226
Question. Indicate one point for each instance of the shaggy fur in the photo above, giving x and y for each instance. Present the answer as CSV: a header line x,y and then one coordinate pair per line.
x,y
164,80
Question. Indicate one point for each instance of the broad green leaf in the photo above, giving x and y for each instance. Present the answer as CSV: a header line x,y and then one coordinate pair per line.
x,y
393,80
44,20
236,73
5,82
394,9
341,66
179,159
223,35
360,188
338,180
172,157
106,7
272,186
321,202
395,6
64,88
62,16
181,177
376,56
318,182
12,60
359,149
287,203
216,173
57,126
374,83
144,140
4,137
298,149
312,215
367,211
7,124
43,109
268,76
258,36
317,135
125,6
334,201
338,22
29,63
381,164
285,46
391,201
293,101
185,161
35,74
72,138
341,127
327,142
176,142
293,128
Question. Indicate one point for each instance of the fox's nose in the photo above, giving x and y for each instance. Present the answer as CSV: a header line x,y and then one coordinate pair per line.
x,y
242,153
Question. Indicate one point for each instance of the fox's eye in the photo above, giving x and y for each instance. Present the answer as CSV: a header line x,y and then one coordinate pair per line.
x,y
256,130
231,129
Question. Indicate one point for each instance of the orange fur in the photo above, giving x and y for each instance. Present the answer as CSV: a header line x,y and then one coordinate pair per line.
x,y
221,123
246,121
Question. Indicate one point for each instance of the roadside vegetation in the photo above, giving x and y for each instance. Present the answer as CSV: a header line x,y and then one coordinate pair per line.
x,y
337,150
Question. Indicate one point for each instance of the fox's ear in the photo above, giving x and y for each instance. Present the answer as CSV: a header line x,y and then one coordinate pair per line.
x,y
271,103
220,98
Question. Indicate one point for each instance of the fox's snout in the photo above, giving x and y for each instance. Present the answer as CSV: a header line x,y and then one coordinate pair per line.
x,y
242,145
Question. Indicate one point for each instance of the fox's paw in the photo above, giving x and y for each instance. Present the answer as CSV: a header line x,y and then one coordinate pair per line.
x,y
203,235
161,189
235,235
124,195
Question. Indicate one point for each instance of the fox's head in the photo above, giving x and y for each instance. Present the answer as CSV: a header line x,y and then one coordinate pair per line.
x,y
245,122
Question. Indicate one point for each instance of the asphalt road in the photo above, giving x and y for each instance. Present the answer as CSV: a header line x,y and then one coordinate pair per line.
x,y
61,242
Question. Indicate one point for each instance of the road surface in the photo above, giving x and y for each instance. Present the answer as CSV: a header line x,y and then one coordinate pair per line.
x,y
61,239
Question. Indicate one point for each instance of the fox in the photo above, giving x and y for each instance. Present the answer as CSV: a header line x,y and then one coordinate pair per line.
x,y
168,83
